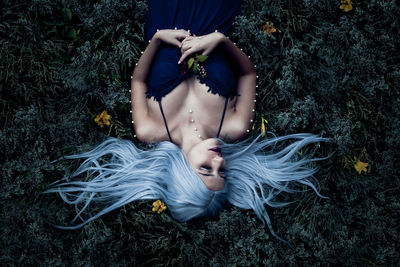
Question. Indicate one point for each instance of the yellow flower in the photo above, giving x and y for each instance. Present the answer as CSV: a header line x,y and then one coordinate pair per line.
x,y
268,28
263,121
360,166
158,206
346,5
102,119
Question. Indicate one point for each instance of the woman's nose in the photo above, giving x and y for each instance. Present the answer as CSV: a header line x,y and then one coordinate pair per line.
x,y
218,160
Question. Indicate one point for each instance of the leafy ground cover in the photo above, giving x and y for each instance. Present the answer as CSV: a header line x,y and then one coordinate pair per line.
x,y
328,67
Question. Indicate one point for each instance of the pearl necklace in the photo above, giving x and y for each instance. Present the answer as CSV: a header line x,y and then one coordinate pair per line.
x,y
195,128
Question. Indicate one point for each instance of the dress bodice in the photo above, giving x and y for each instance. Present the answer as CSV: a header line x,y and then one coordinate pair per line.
x,y
200,17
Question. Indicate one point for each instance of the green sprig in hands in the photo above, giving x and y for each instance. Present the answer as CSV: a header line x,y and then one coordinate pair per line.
x,y
194,64
194,49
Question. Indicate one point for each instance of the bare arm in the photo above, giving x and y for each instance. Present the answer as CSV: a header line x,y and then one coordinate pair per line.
x,y
246,87
140,111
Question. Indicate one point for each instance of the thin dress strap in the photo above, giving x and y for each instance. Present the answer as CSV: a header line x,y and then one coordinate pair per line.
x,y
223,116
165,121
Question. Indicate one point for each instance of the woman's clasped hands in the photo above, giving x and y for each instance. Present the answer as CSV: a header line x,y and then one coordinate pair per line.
x,y
188,43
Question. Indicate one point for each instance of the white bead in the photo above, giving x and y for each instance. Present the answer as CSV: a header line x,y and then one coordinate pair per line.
x,y
149,41
130,101
175,28
190,111
248,130
134,136
136,64
253,110
257,76
130,91
141,52
256,86
133,122
195,129
256,93
248,56
130,111
192,120
251,120
227,37
241,49
131,77
199,136
188,31
158,30
216,30
255,66
234,43
254,101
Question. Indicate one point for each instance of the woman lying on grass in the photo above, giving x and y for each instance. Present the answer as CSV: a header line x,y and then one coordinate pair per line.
x,y
193,93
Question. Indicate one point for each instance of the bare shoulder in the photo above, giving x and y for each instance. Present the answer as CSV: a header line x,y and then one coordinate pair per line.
x,y
240,117
235,128
149,131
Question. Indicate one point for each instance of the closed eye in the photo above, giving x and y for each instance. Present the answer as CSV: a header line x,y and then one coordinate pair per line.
x,y
205,168
206,171
221,173
212,175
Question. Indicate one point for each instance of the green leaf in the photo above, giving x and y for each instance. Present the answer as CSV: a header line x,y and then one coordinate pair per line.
x,y
49,23
196,67
190,62
201,58
67,14
72,34
53,29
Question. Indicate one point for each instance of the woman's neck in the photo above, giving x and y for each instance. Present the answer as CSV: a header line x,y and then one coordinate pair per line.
x,y
189,137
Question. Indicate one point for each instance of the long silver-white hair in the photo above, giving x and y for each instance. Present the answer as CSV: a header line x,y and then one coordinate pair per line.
x,y
117,172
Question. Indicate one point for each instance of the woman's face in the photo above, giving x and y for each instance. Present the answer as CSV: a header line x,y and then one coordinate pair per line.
x,y
206,159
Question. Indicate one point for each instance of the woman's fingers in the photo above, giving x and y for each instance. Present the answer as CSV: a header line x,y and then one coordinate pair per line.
x,y
183,50
193,44
186,54
172,37
178,37
184,41
188,38
183,34
185,46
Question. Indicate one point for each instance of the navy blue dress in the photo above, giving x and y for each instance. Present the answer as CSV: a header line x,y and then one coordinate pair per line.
x,y
200,17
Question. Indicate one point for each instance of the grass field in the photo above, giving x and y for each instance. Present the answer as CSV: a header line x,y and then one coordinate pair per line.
x,y
325,67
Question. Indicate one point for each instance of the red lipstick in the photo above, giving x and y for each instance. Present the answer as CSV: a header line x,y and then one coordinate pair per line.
x,y
216,149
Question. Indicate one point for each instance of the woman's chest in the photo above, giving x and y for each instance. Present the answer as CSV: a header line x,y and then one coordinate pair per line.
x,y
190,104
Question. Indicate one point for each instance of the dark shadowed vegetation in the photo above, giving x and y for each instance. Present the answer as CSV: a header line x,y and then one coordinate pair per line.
x,y
321,69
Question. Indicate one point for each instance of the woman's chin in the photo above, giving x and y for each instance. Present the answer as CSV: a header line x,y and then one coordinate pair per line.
x,y
212,141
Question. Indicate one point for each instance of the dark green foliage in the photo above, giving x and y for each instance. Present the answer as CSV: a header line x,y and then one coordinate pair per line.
x,y
325,71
